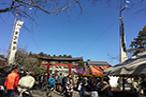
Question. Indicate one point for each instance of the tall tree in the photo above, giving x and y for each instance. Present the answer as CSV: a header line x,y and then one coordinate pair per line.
x,y
21,55
29,63
138,44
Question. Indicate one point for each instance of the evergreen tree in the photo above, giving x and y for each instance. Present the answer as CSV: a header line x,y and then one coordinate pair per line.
x,y
139,43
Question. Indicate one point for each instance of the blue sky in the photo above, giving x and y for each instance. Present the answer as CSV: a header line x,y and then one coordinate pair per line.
x,y
94,34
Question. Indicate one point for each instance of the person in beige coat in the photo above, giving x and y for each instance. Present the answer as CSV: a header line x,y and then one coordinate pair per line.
x,y
25,83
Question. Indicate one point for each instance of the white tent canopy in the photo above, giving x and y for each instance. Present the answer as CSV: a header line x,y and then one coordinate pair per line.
x,y
131,67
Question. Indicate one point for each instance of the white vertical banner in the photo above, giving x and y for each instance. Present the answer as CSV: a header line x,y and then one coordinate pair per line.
x,y
13,45
123,53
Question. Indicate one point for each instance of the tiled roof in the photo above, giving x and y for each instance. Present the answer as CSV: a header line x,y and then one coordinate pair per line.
x,y
62,59
97,63
3,62
2,59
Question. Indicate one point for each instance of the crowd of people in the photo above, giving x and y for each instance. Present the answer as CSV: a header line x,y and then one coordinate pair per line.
x,y
86,86
16,83
133,84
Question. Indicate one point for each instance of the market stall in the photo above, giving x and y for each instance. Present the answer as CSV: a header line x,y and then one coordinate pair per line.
x,y
91,70
131,67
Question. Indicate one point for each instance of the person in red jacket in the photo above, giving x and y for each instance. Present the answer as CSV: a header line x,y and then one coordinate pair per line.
x,y
11,82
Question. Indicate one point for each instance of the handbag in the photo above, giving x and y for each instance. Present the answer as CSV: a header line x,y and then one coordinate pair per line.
x,y
87,93
79,87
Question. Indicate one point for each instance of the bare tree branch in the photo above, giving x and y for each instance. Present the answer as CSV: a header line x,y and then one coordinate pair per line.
x,y
78,2
38,4
8,8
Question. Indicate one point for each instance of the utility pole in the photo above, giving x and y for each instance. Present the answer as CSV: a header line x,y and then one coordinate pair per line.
x,y
13,46
123,53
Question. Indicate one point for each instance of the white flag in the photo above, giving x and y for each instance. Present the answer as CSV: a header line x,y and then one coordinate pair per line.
x,y
13,46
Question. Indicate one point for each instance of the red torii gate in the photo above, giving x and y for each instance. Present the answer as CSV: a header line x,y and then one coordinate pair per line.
x,y
69,66
60,62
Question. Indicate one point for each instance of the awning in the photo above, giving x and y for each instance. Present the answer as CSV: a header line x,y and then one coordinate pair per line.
x,y
131,67
91,70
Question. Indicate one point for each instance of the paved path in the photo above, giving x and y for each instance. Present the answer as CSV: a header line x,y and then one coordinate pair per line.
x,y
38,93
